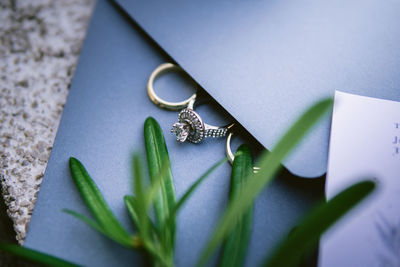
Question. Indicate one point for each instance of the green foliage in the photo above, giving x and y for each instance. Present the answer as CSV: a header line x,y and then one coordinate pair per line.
x,y
157,158
157,238
94,225
235,245
105,218
35,256
191,190
131,203
307,234
269,165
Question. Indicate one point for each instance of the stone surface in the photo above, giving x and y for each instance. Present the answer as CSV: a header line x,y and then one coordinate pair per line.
x,y
40,42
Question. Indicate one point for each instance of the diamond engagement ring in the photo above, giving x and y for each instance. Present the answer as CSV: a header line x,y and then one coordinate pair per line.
x,y
190,126
229,153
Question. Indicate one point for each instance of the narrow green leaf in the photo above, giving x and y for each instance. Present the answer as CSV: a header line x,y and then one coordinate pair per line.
x,y
95,201
139,209
140,203
157,157
130,203
307,234
35,256
194,186
190,191
144,223
87,220
124,242
235,245
269,165
153,192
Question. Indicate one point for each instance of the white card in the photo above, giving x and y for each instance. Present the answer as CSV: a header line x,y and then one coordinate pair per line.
x,y
364,143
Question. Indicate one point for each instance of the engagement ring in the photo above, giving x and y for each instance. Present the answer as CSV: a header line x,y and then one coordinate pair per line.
x,y
190,125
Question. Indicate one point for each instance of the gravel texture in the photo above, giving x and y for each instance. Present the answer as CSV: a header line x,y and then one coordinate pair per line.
x,y
39,46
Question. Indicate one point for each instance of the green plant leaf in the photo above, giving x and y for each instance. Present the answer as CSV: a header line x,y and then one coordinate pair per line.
x,y
144,222
269,165
130,203
96,203
35,256
307,234
140,203
96,226
157,158
190,191
153,192
194,186
235,246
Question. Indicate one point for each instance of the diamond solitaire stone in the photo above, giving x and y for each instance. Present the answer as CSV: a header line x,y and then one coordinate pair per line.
x,y
181,130
189,126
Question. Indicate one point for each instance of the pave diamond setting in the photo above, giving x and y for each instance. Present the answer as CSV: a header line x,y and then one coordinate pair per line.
x,y
189,127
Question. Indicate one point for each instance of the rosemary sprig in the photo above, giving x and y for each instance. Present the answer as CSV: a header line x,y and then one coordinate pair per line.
x,y
35,256
157,238
235,245
269,165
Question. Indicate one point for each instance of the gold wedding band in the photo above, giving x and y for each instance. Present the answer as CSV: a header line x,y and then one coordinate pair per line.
x,y
230,155
163,68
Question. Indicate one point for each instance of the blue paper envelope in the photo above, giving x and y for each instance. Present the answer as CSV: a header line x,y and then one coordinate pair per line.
x,y
263,64
265,61
102,125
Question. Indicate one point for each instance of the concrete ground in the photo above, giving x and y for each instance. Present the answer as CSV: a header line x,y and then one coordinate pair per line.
x,y
40,42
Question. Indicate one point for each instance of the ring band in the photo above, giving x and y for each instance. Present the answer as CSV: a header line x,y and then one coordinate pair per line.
x,y
230,155
163,68
190,126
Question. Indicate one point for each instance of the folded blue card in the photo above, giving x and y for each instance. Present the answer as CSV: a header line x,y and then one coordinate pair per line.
x,y
102,125
266,61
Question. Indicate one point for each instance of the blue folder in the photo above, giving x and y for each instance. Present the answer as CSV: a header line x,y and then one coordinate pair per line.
x,y
102,123
266,61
